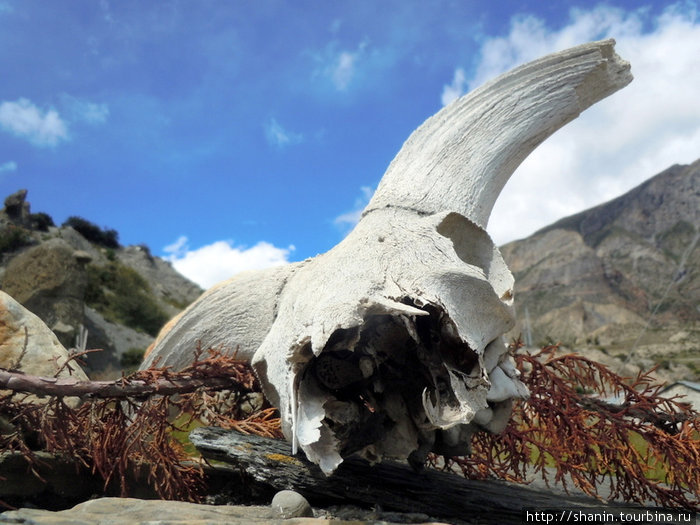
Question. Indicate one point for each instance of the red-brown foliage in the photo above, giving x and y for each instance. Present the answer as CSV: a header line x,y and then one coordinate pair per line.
x,y
118,436
585,425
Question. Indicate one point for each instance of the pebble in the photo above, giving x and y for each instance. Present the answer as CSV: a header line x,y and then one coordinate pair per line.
x,y
290,504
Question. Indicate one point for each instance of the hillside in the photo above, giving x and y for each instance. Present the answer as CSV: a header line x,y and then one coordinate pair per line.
x,y
622,277
79,275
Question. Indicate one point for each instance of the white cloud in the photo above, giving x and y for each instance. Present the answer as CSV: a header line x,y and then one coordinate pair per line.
x,y
8,166
24,119
344,70
348,220
279,136
84,110
340,67
221,260
618,143
457,88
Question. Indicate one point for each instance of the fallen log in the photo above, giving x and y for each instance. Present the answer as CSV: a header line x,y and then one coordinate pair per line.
x,y
393,486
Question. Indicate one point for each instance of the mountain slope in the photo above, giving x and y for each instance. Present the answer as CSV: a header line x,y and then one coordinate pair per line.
x,y
79,275
598,277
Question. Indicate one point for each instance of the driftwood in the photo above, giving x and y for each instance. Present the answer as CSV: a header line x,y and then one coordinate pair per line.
x,y
391,485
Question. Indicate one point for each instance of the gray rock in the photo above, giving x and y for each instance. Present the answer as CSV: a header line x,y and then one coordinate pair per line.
x,y
117,511
50,279
59,480
114,339
80,244
16,207
251,403
82,256
291,504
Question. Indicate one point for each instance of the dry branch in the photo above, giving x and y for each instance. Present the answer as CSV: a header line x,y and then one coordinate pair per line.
x,y
119,389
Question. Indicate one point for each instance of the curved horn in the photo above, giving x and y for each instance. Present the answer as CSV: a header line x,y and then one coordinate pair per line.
x,y
459,159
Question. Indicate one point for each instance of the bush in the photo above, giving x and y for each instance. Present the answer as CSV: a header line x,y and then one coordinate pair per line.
x,y
12,238
41,221
131,359
93,233
123,296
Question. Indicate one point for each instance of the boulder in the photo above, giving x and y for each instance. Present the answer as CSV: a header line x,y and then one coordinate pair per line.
x,y
27,345
50,280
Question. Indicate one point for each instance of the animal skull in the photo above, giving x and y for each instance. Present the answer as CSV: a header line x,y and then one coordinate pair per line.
x,y
389,345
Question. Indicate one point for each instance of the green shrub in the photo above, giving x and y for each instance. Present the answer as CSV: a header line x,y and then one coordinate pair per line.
x,y
12,238
93,233
132,358
41,221
123,296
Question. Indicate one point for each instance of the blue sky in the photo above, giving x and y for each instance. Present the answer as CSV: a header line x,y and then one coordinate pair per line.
x,y
229,135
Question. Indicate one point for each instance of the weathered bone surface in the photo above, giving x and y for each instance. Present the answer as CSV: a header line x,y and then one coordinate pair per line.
x,y
389,345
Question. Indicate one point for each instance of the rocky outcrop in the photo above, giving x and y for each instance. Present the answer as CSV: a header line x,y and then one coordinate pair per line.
x,y
16,207
599,277
69,281
50,280
173,290
113,338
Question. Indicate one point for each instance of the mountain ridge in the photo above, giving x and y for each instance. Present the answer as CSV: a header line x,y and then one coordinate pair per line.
x,y
623,275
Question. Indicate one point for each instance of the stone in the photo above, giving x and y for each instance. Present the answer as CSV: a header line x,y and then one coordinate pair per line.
x,y
55,481
17,208
28,345
82,256
251,403
50,281
291,504
117,511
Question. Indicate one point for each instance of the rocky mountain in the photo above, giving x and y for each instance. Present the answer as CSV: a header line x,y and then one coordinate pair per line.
x,y
78,275
622,278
